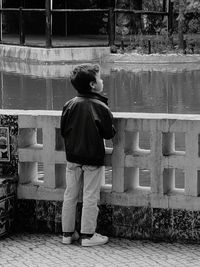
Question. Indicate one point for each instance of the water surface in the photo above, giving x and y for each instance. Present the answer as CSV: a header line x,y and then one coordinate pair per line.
x,y
161,91
132,88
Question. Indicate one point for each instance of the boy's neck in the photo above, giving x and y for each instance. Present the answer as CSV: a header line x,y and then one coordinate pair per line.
x,y
96,92
91,93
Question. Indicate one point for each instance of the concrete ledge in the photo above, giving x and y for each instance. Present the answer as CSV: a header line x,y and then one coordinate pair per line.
x,y
27,115
134,198
152,58
45,55
39,69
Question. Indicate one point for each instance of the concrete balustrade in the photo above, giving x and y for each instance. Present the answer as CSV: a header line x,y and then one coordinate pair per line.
x,y
129,158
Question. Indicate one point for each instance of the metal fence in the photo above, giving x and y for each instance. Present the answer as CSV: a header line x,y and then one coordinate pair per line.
x,y
48,12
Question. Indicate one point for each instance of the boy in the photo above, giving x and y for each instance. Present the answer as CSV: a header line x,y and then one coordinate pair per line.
x,y
86,120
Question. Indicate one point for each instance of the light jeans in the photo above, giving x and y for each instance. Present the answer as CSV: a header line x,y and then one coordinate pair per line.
x,y
90,178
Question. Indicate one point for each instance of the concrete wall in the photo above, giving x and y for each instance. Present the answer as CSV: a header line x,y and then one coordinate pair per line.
x,y
38,54
161,210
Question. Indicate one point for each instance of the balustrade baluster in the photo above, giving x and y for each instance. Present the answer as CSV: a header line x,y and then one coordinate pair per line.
x,y
49,140
48,24
27,170
118,157
156,158
192,186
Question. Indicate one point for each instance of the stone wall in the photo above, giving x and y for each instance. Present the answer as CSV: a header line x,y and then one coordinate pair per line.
x,y
115,221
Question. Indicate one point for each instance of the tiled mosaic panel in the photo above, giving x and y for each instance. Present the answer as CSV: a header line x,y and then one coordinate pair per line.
x,y
8,177
7,205
10,168
7,187
6,225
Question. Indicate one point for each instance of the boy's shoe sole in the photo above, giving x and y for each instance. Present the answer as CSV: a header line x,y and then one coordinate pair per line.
x,y
70,239
95,240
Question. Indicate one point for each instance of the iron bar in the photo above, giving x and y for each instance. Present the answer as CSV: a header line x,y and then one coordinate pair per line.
x,y
149,47
21,27
80,10
0,26
111,27
48,29
170,16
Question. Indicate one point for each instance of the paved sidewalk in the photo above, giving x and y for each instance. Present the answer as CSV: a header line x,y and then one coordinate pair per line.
x,y
40,250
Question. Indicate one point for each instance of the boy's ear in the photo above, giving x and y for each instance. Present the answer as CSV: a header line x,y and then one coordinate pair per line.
x,y
92,85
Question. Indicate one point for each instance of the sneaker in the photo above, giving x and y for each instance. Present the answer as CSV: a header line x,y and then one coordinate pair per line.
x,y
95,240
67,240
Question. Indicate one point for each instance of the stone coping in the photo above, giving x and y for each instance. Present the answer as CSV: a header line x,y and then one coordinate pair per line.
x,y
152,58
48,55
117,115
41,70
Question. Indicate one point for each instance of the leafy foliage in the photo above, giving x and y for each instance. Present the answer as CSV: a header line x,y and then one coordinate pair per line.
x,y
193,6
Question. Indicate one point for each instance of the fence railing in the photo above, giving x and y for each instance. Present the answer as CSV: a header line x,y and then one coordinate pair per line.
x,y
158,156
48,12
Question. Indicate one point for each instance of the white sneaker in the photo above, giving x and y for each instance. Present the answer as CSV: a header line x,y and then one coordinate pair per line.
x,y
95,240
67,240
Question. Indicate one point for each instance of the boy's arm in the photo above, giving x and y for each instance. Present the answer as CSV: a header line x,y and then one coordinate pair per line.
x,y
105,125
63,121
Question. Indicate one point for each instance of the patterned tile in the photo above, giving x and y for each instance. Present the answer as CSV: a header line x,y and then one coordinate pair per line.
x,y
118,215
26,215
8,186
104,221
138,220
162,223
45,210
7,206
196,227
58,211
45,226
196,224
123,232
58,227
183,221
6,225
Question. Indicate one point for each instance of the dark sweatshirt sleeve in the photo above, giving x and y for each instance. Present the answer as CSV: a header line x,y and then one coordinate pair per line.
x,y
63,121
105,125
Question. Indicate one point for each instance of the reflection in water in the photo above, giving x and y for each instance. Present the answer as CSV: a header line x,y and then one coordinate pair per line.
x,y
128,91
153,91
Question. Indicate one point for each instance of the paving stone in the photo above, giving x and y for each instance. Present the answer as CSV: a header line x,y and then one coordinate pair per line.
x,y
45,250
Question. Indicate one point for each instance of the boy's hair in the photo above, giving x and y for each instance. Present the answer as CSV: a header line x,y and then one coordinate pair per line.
x,y
83,75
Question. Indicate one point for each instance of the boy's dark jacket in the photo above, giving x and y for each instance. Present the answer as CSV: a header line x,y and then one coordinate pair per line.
x,y
85,122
